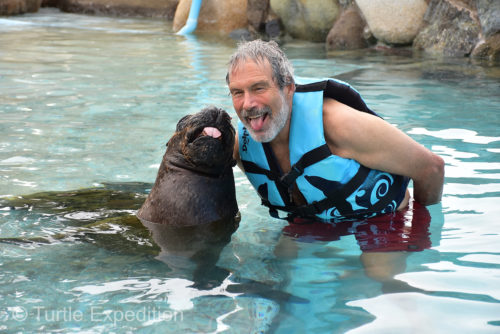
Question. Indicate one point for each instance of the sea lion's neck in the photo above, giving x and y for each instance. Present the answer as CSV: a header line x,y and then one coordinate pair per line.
x,y
182,165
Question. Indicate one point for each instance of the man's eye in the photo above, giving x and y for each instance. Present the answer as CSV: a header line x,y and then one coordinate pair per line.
x,y
236,93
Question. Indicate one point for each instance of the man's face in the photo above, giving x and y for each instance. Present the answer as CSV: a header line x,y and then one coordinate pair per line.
x,y
263,108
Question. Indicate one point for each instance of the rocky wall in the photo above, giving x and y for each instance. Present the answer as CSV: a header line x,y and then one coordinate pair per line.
x,y
16,7
446,27
121,8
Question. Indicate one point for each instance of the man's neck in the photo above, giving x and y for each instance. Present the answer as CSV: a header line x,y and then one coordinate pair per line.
x,y
280,148
282,138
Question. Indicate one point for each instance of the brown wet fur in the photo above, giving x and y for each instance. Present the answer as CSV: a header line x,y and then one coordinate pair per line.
x,y
195,182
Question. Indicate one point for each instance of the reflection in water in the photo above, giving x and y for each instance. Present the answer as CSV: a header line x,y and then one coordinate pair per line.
x,y
322,255
384,240
192,251
406,230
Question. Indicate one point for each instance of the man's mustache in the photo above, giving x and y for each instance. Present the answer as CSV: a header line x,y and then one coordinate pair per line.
x,y
255,111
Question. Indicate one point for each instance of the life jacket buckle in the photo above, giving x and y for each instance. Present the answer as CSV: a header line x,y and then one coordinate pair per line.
x,y
289,178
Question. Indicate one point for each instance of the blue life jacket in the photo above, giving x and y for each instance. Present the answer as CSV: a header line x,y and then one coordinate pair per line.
x,y
334,187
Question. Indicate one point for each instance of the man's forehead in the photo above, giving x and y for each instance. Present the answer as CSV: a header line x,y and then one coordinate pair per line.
x,y
251,68
261,63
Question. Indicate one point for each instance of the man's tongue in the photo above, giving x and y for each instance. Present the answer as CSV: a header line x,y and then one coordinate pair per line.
x,y
257,123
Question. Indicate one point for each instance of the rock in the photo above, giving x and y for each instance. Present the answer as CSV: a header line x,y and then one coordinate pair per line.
x,y
393,21
488,12
307,19
32,6
451,29
257,12
50,3
347,32
241,35
488,49
123,8
12,7
344,4
215,16
273,28
16,7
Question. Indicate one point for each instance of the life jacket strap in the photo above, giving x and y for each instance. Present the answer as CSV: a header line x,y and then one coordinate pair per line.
x,y
308,159
251,167
336,198
288,179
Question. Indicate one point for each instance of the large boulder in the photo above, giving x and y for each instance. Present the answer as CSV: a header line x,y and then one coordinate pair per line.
x,y
393,21
12,7
123,8
347,32
344,4
257,13
488,49
307,19
451,29
488,12
16,7
273,27
50,3
215,16
32,6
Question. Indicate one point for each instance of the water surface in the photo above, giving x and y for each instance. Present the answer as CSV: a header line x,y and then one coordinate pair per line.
x,y
91,101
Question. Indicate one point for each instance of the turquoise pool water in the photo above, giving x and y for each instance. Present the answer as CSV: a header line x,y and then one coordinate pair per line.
x,y
87,101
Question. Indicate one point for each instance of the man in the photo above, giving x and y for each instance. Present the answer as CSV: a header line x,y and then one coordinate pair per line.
x,y
316,150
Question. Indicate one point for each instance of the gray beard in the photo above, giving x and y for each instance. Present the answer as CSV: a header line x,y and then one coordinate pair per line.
x,y
277,123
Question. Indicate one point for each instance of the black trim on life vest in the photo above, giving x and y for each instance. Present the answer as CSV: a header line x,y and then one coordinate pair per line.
x,y
312,87
338,91
287,180
251,167
336,198
399,180
308,159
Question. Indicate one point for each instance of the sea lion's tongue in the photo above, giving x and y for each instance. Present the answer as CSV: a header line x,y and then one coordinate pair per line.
x,y
212,132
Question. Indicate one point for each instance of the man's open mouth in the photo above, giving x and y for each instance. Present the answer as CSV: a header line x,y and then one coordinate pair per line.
x,y
257,122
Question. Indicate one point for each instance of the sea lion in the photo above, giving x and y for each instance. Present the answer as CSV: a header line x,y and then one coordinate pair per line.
x,y
195,182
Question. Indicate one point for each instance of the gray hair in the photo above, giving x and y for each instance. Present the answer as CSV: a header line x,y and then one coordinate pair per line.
x,y
259,51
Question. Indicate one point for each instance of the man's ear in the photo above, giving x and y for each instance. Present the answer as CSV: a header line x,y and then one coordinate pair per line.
x,y
289,90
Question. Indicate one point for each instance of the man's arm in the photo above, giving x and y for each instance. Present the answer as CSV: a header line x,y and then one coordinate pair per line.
x,y
236,153
377,144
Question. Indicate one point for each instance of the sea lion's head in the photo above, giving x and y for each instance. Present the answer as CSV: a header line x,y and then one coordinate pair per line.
x,y
203,142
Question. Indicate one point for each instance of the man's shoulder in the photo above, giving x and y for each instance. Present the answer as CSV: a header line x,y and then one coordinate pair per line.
x,y
335,112
341,126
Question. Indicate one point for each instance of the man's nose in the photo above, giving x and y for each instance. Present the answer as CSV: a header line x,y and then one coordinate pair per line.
x,y
248,101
